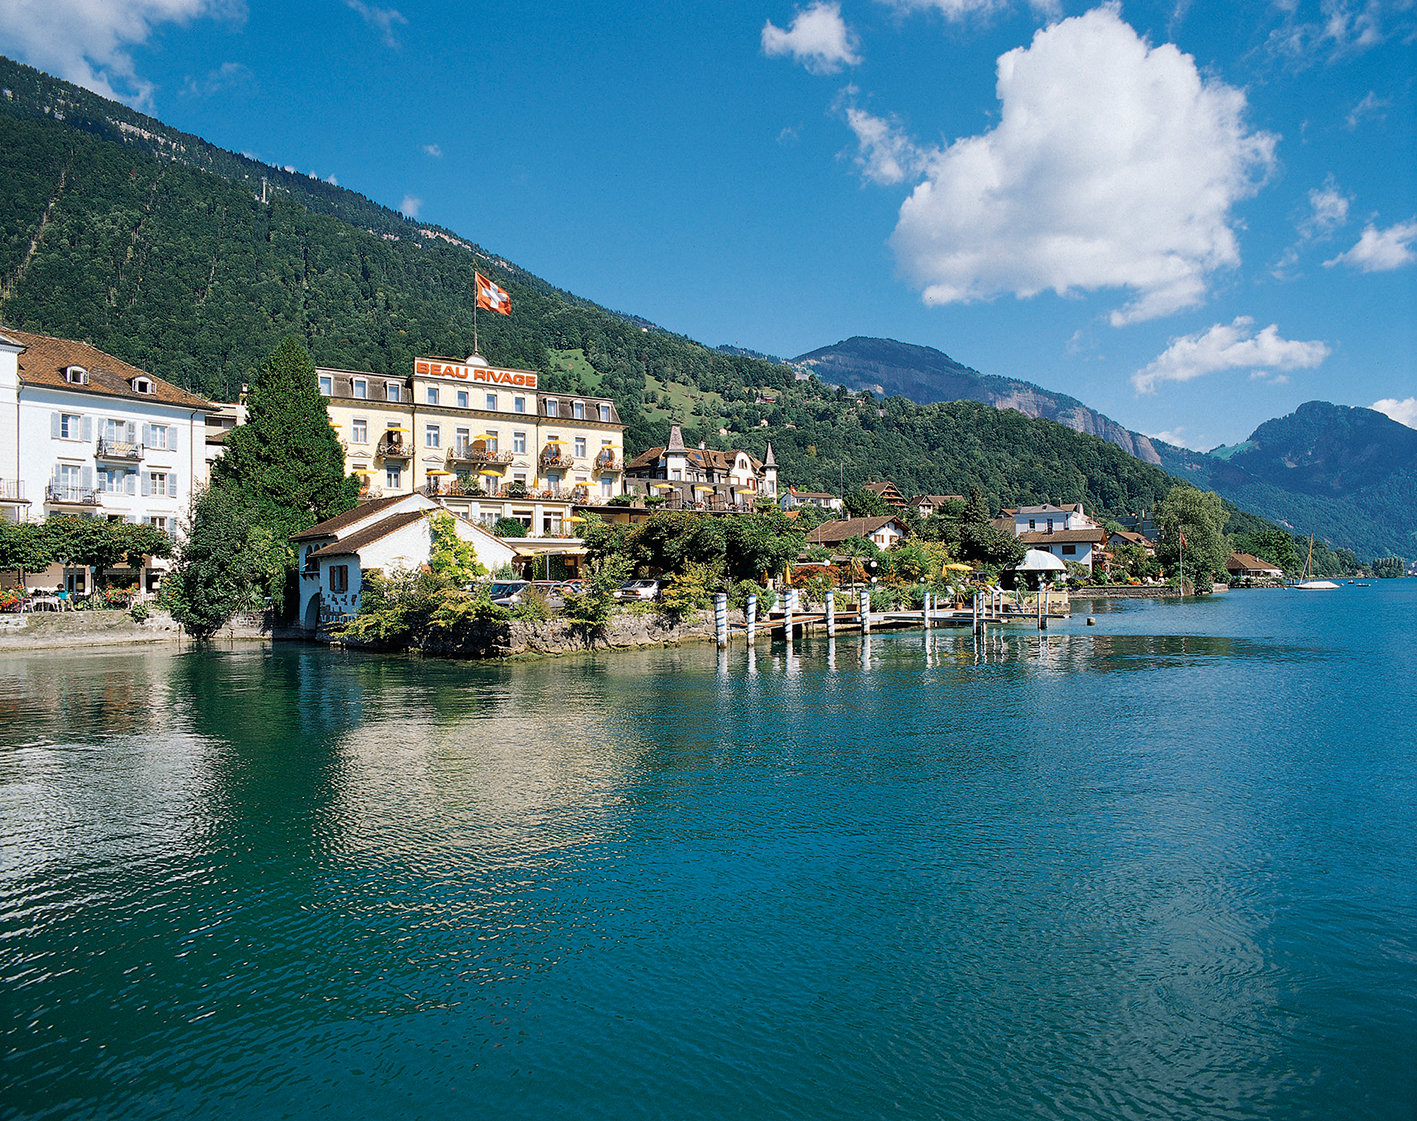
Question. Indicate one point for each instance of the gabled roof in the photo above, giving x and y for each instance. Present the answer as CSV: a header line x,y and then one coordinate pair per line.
x,y
1062,537
350,546
1239,561
331,527
45,359
1134,538
676,439
647,458
935,499
835,531
1049,508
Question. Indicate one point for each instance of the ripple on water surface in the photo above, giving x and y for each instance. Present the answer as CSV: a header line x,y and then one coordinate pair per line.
x,y
1122,872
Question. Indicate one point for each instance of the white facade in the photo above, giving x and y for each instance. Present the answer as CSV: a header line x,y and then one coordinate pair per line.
x,y
1050,519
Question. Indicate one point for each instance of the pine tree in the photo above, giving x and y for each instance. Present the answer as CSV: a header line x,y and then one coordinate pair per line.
x,y
286,462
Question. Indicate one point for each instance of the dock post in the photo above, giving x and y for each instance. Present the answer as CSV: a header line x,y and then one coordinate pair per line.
x,y
831,613
865,612
789,607
925,610
720,619
751,619
1042,609
976,613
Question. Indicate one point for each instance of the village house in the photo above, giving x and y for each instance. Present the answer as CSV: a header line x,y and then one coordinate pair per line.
x,y
827,503
882,531
928,504
1244,565
85,433
885,489
702,478
1065,532
381,534
488,441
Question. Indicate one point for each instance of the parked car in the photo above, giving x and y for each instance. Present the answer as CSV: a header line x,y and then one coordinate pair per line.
x,y
578,587
639,589
508,593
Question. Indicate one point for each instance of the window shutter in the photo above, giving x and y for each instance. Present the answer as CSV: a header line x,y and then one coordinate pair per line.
x,y
131,519
172,431
86,482
147,435
55,426
131,436
87,427
130,482
172,485
147,483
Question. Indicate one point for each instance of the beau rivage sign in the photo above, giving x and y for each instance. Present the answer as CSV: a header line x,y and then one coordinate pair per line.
x,y
437,368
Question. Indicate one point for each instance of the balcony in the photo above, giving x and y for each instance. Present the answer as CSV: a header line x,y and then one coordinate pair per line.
x,y
607,461
553,458
60,494
12,490
395,448
480,453
117,449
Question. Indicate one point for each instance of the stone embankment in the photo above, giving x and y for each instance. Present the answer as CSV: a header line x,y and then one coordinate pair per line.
x,y
58,630
514,637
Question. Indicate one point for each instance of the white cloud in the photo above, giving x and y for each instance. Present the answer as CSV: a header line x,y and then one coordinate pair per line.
x,y
818,38
1114,165
228,76
88,42
1371,106
957,11
1328,209
886,154
1404,411
433,150
1232,346
383,19
410,206
1381,250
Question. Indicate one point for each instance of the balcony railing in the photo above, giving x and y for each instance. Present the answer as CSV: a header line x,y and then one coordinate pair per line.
x,y
395,449
606,461
552,459
12,490
63,495
116,449
478,454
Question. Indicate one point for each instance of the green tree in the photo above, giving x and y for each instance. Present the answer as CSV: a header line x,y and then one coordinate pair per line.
x,y
508,527
1273,545
91,543
1200,516
286,461
24,547
865,503
228,562
453,561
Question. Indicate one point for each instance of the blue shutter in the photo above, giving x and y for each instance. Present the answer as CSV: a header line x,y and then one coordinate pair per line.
x,y
147,483
147,435
86,476
172,431
87,428
56,426
130,482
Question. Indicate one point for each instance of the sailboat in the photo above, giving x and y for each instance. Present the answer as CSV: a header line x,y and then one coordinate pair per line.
x,y
1309,584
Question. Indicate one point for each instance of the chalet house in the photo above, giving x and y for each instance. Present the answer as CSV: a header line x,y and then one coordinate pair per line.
x,y
1064,531
702,477
929,504
886,490
1136,539
1049,518
383,534
829,503
884,531
1244,565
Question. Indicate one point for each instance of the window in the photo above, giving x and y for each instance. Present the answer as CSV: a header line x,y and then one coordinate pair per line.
x,y
110,480
339,577
67,476
518,404
492,402
432,394
70,426
312,566
607,487
158,436
391,391
359,430
142,385
605,414
160,483
462,398
1050,525
1031,524
158,522
580,447
359,388
676,474
578,410
432,438
1070,550
462,441
76,375
327,385
392,475
553,407
518,443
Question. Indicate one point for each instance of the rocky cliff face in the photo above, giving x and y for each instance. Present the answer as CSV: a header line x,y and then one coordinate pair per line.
x,y
925,375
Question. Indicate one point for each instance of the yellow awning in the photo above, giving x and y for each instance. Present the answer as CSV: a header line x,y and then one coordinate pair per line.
x,y
574,518
440,472
491,474
661,486
703,487
746,490
959,567
361,471
396,428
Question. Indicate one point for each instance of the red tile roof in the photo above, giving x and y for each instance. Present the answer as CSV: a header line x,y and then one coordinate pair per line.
x,y
45,359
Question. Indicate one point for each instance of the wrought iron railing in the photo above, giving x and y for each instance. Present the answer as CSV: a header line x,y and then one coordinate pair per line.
x,y
117,449
556,459
395,449
72,496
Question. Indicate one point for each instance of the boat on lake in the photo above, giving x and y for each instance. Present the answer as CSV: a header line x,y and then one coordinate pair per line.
x,y
1308,584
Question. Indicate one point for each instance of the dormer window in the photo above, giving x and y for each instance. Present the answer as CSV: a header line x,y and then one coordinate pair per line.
x,y
142,385
76,375
551,407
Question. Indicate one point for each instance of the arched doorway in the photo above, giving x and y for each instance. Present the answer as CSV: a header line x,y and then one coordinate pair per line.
x,y
312,613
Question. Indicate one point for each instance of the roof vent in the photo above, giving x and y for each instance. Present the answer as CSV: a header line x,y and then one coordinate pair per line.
x,y
76,375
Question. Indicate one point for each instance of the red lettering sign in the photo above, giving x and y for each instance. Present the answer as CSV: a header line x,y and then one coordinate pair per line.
x,y
487,374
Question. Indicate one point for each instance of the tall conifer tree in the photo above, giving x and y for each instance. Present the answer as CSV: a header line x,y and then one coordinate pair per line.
x,y
286,461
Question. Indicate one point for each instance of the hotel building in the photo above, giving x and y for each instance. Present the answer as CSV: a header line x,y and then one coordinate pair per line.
x,y
487,441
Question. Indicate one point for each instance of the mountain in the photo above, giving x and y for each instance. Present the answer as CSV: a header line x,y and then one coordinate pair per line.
x,y
924,375
1346,475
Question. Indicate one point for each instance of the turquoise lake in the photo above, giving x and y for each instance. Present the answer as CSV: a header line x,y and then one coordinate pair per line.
x,y
1163,867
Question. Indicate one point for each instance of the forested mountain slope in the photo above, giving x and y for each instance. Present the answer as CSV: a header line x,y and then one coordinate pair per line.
x,y
157,247
925,374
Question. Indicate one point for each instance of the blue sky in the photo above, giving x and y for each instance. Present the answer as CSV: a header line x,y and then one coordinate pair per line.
x,y
1192,216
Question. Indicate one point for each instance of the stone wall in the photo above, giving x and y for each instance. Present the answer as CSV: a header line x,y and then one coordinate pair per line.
x,y
49,630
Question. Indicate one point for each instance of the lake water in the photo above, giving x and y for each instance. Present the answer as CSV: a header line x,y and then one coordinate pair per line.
x,y
1164,867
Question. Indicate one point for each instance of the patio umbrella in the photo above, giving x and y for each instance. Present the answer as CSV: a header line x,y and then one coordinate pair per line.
x,y
957,567
661,486
440,472
491,474
574,518
396,428
361,471
704,487
1036,560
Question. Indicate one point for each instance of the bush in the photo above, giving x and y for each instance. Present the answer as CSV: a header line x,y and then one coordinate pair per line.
x,y
508,527
139,612
739,593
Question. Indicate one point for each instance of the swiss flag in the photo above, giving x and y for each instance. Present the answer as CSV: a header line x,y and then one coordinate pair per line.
x,y
491,297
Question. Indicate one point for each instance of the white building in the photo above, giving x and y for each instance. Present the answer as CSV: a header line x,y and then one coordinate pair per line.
x,y
84,433
382,534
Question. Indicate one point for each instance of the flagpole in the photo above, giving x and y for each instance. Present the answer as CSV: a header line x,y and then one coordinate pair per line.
x,y
475,349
